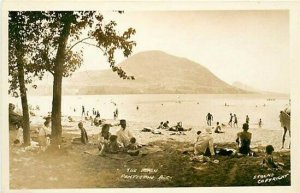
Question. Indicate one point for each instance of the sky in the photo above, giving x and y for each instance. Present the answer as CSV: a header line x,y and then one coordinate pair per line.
x,y
251,47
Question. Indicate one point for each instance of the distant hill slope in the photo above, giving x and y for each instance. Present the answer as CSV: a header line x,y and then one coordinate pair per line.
x,y
255,90
155,72
243,86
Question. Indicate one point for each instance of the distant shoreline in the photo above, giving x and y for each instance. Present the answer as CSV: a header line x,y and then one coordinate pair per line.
x,y
229,94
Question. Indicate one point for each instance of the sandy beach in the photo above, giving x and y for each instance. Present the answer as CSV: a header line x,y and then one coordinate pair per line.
x,y
161,163
260,136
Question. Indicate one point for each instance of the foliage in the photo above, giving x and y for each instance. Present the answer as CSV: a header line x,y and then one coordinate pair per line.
x,y
38,35
86,24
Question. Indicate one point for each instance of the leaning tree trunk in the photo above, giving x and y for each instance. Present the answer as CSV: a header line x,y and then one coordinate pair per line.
x,y
56,129
25,110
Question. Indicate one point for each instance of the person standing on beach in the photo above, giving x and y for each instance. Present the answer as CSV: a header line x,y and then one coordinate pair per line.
x,y
83,111
116,113
209,119
124,135
284,118
230,120
259,123
235,123
247,119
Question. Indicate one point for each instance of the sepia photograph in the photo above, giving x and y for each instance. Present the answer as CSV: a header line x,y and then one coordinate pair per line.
x,y
121,98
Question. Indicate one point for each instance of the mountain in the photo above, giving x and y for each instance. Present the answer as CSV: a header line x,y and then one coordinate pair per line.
x,y
155,72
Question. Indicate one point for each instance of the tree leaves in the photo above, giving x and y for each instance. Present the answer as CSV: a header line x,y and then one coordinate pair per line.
x,y
39,32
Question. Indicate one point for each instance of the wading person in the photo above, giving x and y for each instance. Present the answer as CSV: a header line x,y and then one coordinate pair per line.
x,y
83,111
235,123
209,119
230,120
247,119
260,123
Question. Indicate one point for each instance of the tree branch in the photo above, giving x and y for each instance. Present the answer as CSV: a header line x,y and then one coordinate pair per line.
x,y
93,45
78,43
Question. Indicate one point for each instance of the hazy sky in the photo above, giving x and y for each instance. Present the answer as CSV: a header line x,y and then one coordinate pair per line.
x,y
247,46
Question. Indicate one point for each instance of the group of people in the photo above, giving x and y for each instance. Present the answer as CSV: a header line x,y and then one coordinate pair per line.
x,y
123,140
204,145
177,127
233,119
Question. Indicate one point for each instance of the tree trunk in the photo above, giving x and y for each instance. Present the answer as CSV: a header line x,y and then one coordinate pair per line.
x,y
25,110
56,129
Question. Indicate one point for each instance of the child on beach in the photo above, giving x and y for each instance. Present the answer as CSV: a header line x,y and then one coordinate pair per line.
x,y
97,120
112,146
104,136
218,128
19,136
133,147
268,160
161,126
83,138
44,135
166,125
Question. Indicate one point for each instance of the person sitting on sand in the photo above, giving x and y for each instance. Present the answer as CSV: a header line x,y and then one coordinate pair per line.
x,y
70,119
14,118
104,136
112,146
83,138
97,120
205,143
44,135
124,134
133,147
268,161
19,136
133,144
179,127
161,126
244,140
166,125
218,128
175,128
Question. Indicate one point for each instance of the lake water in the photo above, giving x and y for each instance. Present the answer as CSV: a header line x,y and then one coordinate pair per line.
x,y
191,109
